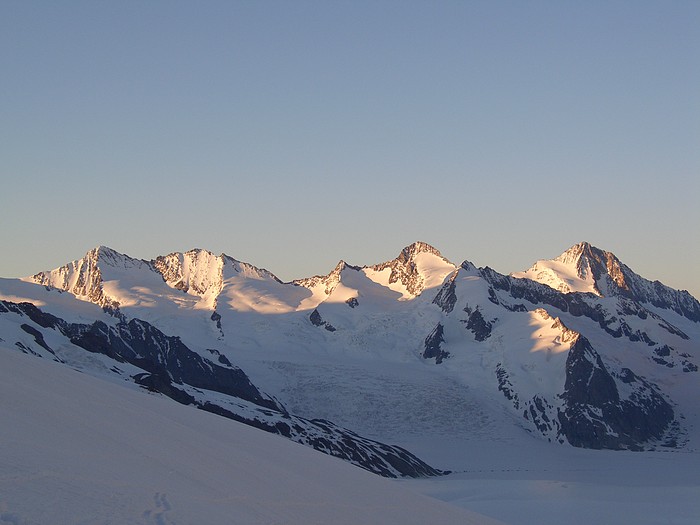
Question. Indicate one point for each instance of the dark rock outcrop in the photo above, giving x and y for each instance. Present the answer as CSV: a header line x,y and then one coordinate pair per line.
x,y
480,327
446,297
317,320
596,416
433,345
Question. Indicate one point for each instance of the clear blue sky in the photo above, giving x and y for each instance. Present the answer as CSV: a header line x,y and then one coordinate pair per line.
x,y
293,134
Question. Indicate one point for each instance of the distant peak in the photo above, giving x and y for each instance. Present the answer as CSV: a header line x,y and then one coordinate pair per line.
x,y
102,250
197,251
419,247
414,272
594,270
107,255
577,251
468,266
584,247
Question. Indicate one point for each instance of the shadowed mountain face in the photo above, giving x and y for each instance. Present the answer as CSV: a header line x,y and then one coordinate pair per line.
x,y
578,349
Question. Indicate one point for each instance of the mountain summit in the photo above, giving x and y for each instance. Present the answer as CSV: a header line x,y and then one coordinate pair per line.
x,y
419,266
581,268
585,268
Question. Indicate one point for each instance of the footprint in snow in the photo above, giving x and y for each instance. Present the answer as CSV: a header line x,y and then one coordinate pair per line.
x,y
159,514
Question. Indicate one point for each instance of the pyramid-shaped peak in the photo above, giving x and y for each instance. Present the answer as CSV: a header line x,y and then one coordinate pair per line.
x,y
419,247
416,273
581,268
340,266
578,251
102,251
109,256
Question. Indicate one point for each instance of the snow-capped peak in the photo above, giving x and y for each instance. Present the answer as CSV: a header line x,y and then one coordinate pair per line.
x,y
575,253
581,268
419,266
585,268
107,255
413,250
114,280
85,277
604,267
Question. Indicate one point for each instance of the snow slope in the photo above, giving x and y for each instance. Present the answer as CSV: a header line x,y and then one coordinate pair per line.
x,y
76,449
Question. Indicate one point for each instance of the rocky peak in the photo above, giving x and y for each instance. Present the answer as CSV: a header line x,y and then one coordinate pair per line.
x,y
576,252
584,267
468,266
104,257
333,278
196,271
84,277
330,281
107,255
406,267
604,267
418,247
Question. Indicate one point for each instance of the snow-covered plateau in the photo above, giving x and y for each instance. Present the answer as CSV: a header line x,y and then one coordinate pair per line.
x,y
565,392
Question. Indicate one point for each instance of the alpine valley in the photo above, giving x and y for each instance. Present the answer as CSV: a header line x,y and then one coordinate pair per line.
x,y
403,368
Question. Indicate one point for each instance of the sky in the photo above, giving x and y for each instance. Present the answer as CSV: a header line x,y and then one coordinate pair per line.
x,y
294,134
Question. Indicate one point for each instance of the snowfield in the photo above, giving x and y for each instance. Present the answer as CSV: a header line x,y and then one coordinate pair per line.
x,y
77,449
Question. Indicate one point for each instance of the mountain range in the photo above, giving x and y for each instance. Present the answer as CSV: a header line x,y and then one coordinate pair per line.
x,y
382,365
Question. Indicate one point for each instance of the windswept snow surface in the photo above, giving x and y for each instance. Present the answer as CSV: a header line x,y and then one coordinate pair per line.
x,y
76,449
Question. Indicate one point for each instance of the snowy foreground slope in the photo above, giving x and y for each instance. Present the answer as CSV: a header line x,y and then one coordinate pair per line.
x,y
77,449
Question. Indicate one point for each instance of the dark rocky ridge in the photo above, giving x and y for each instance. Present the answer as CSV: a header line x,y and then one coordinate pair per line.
x,y
578,304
